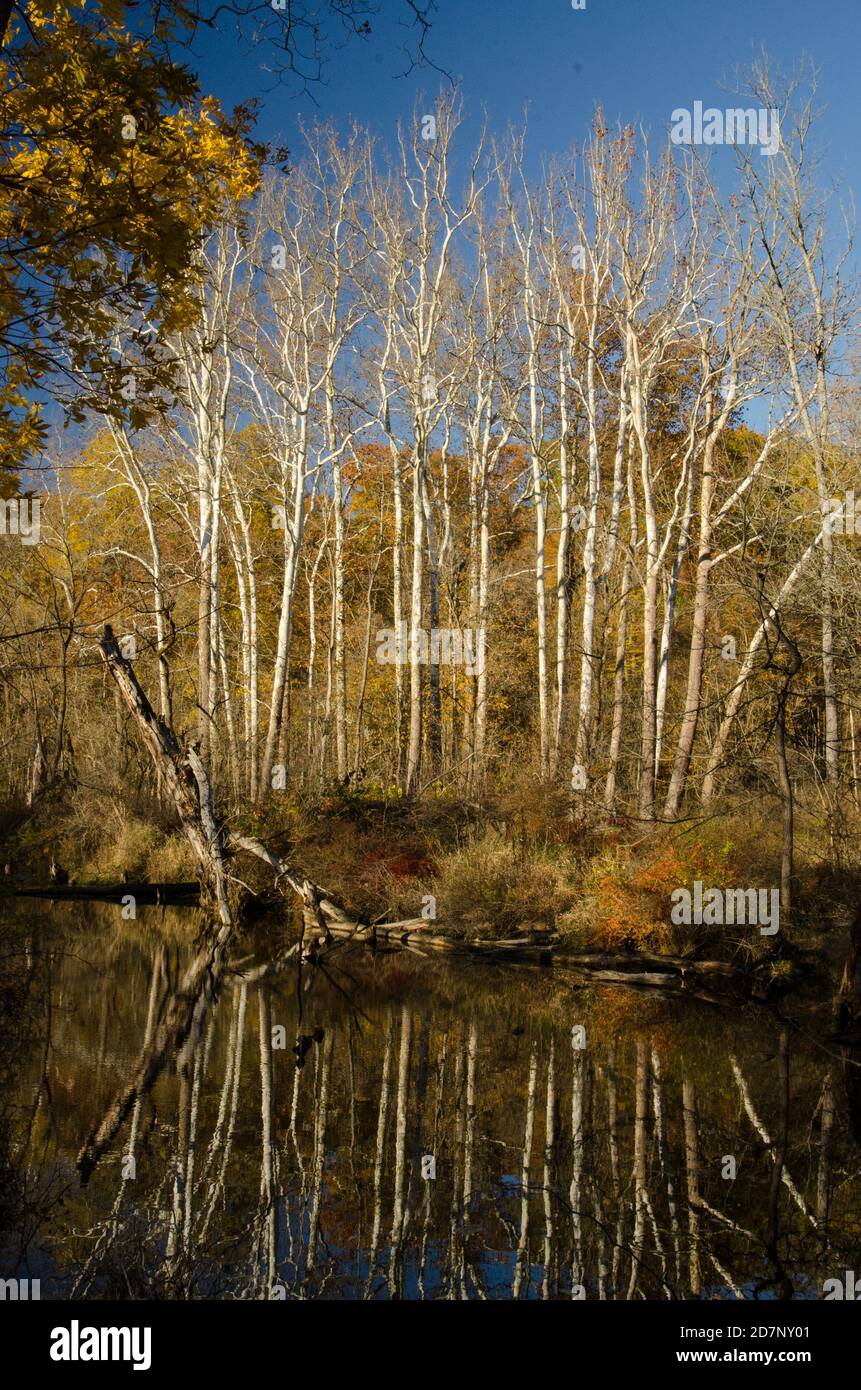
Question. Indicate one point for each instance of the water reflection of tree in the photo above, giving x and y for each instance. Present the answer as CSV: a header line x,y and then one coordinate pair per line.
x,y
558,1170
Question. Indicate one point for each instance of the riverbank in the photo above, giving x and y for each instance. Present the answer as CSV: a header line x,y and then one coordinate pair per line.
x,y
505,873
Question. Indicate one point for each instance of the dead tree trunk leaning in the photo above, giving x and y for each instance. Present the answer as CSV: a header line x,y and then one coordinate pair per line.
x,y
184,776
188,785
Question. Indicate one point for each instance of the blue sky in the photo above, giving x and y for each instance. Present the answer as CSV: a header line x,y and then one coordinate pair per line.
x,y
638,58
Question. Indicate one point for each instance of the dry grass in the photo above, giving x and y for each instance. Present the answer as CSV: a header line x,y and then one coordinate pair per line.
x,y
490,888
142,851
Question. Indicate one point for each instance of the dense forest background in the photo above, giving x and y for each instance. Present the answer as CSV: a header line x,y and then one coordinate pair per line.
x,y
406,482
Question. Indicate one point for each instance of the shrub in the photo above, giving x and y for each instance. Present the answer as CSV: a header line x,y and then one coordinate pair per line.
x,y
633,888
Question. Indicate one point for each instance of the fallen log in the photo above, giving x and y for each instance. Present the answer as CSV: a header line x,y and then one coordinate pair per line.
x,y
181,894
675,973
317,900
420,935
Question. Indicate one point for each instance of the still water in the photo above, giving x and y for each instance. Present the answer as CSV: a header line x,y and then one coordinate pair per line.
x,y
403,1127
